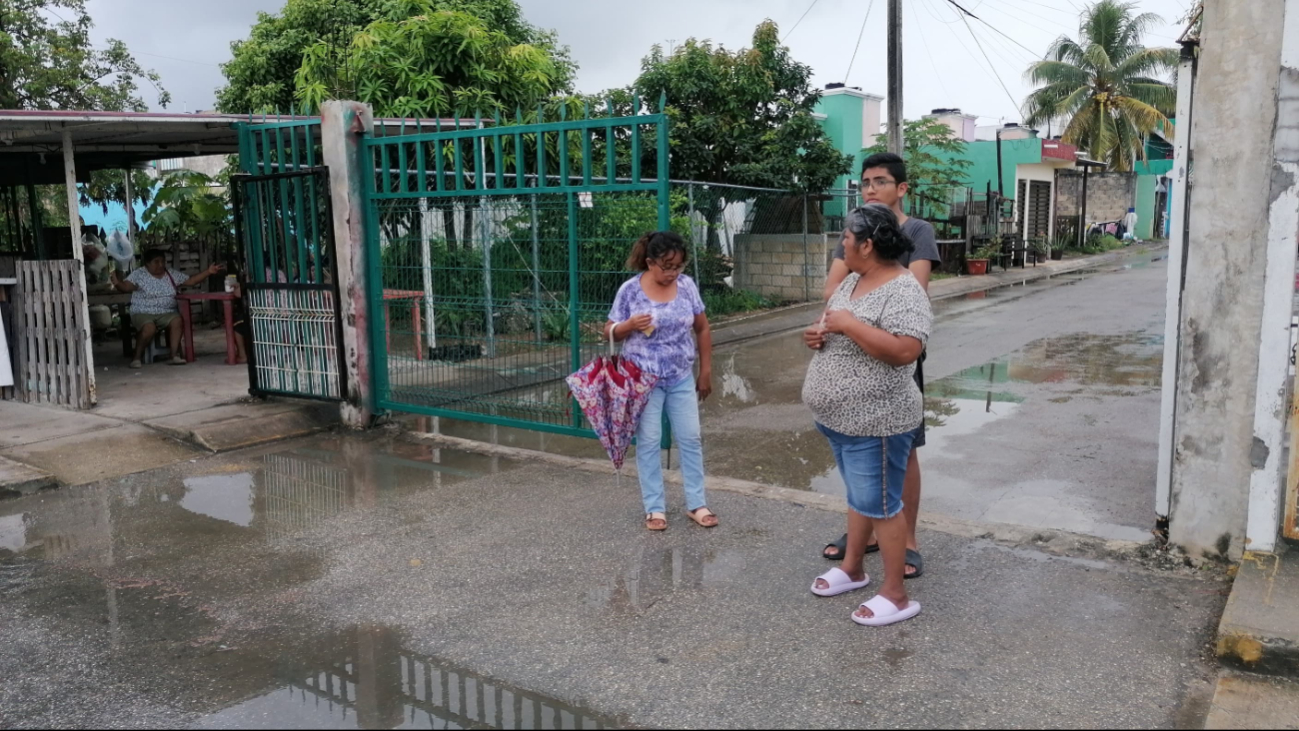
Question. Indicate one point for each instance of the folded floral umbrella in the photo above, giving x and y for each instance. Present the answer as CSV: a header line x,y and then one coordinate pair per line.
x,y
612,392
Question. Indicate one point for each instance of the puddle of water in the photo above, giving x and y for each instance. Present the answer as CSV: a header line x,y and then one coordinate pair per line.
x,y
13,532
224,497
945,418
367,678
276,496
252,674
1134,359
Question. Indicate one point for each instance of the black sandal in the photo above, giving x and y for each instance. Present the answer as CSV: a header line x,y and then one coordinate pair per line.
x,y
916,561
842,545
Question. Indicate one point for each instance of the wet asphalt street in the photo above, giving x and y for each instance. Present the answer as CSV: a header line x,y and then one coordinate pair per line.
x,y
363,582
1042,406
369,582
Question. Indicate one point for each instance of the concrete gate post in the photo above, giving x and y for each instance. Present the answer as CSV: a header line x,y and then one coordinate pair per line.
x,y
343,125
1232,340
1271,406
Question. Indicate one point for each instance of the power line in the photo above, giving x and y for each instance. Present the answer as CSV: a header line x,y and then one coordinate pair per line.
x,y
1058,24
860,33
930,9
961,41
800,20
981,20
1004,88
938,75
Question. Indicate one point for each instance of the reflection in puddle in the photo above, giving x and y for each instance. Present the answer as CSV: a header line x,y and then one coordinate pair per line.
x,y
1135,359
13,532
286,493
945,418
655,573
734,384
366,678
224,497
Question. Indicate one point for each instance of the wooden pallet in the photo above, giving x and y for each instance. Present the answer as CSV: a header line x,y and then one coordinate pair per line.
x,y
49,335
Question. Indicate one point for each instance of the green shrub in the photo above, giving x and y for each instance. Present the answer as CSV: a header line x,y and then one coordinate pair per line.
x,y
733,301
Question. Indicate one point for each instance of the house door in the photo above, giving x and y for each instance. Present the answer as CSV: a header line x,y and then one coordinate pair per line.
x,y
1039,210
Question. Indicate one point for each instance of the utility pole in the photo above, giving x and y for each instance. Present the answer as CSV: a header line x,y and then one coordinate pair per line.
x,y
895,77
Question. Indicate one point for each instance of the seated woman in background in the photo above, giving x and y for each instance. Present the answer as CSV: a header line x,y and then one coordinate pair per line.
x,y
153,289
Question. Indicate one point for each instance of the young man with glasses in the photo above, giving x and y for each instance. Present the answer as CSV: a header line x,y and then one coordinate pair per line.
x,y
884,180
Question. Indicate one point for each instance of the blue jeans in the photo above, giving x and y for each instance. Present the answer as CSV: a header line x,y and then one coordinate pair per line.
x,y
873,469
683,413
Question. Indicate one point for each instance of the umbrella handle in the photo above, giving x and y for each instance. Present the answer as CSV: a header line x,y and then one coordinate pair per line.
x,y
611,327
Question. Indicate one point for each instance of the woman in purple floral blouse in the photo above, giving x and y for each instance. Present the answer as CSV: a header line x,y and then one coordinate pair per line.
x,y
659,317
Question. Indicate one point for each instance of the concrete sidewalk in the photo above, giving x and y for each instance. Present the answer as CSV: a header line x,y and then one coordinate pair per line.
x,y
236,590
76,447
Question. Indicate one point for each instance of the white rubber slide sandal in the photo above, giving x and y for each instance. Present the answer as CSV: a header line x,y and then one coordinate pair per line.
x,y
839,583
886,612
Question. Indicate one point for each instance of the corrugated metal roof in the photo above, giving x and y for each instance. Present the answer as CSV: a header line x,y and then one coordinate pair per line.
x,y
31,141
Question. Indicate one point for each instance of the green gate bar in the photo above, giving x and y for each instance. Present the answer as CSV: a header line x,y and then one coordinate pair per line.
x,y
552,237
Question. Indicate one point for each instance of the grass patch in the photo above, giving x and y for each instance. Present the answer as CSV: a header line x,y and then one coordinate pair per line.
x,y
735,301
1100,245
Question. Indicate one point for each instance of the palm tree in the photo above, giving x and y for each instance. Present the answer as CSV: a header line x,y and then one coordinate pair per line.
x,y
1109,87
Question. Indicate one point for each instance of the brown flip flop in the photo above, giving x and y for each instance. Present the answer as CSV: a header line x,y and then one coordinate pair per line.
x,y
703,519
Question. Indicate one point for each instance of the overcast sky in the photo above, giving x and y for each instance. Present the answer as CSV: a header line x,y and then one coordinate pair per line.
x,y
944,61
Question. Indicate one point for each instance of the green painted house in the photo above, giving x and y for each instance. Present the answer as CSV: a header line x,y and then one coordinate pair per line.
x,y
1037,172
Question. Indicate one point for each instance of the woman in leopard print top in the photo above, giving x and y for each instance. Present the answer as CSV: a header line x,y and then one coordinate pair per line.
x,y
861,391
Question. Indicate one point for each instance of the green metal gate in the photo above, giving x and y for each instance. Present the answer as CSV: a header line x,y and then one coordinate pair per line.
x,y
284,219
494,253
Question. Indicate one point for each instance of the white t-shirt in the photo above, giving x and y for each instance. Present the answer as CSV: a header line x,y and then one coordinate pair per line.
x,y
155,295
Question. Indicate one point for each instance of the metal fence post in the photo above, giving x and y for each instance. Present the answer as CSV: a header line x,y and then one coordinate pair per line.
x,y
536,271
426,267
574,295
690,217
483,225
807,265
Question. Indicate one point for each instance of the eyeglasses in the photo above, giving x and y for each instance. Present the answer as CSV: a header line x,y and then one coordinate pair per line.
x,y
672,268
877,183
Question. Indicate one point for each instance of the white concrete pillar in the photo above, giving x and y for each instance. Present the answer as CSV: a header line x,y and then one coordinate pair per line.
x,y
1271,404
343,125
1181,189
1216,448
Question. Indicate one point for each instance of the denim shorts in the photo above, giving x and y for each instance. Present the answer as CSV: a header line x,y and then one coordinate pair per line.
x,y
873,469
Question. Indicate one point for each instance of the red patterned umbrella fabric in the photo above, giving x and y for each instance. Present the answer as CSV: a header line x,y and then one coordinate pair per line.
x,y
612,392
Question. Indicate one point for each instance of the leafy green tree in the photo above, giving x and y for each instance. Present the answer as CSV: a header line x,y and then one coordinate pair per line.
x,y
742,117
428,65
262,73
421,62
189,203
936,161
1108,89
109,186
49,64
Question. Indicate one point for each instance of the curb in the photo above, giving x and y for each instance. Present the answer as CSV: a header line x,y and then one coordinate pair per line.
x,y
1259,631
23,479
1054,542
